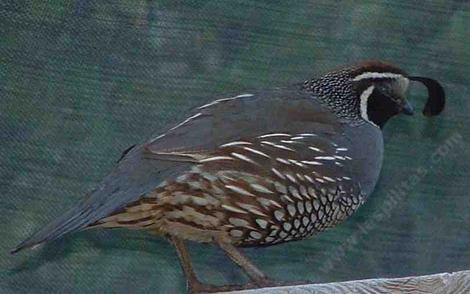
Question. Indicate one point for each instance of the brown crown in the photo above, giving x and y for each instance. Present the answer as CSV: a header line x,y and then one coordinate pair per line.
x,y
376,66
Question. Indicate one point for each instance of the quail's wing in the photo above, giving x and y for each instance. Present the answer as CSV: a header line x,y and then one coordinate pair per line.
x,y
247,115
144,166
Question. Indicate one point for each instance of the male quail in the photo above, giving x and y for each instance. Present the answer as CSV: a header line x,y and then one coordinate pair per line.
x,y
255,169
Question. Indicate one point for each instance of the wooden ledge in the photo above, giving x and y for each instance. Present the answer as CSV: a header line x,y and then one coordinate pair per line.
x,y
452,283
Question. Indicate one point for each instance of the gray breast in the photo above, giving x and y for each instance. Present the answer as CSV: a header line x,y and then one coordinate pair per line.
x,y
366,151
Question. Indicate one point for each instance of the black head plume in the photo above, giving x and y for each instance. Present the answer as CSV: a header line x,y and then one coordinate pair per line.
x,y
436,96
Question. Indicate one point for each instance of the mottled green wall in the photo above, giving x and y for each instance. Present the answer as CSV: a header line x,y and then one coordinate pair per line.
x,y
80,81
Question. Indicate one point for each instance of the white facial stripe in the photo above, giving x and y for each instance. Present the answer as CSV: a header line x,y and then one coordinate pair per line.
x,y
364,98
377,75
403,83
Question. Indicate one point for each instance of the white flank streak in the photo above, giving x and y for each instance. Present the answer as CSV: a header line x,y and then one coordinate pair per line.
x,y
324,157
315,149
185,121
287,198
288,141
277,146
278,173
215,158
293,191
295,162
364,98
281,160
274,135
329,179
238,190
274,203
307,135
268,143
297,138
234,209
301,177
251,208
377,75
309,179
312,162
243,157
346,178
342,149
319,180
304,192
235,143
339,157
291,178
261,188
256,151
283,147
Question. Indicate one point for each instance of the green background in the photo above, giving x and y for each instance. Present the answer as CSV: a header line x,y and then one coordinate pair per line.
x,y
81,81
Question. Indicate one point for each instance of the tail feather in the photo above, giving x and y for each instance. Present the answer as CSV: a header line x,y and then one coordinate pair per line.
x,y
68,222
133,176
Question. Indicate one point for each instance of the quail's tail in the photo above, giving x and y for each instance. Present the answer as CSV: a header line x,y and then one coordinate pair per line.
x,y
132,177
72,220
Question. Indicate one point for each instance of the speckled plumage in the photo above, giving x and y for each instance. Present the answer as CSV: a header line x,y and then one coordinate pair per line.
x,y
267,190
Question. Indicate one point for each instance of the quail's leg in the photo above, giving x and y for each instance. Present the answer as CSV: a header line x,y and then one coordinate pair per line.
x,y
193,284
185,262
255,274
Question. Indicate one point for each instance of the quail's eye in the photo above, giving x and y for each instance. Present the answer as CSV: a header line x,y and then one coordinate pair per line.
x,y
382,88
387,91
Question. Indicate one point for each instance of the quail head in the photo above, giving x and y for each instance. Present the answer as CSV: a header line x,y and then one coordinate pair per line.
x,y
257,169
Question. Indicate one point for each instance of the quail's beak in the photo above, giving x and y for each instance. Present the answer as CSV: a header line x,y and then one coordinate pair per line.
x,y
407,108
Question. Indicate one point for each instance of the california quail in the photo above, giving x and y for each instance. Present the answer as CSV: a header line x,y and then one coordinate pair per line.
x,y
255,169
